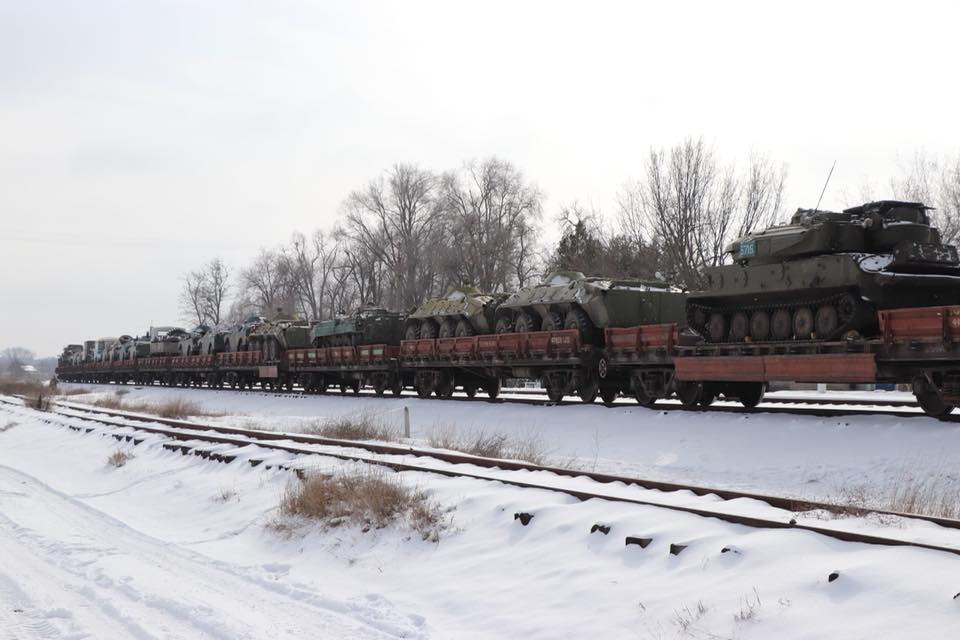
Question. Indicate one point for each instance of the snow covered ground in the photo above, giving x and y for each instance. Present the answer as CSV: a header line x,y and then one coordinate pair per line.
x,y
173,546
796,455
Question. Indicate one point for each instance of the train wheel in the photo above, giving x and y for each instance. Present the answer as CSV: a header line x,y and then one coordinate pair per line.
x,y
609,395
739,326
929,399
445,388
689,394
751,393
642,397
707,397
760,326
397,388
470,390
343,388
781,325
423,390
588,390
379,386
826,322
803,323
717,327
355,386
492,388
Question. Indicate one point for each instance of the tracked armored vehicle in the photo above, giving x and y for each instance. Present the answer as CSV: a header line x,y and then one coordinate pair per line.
x,y
367,325
464,311
824,275
570,300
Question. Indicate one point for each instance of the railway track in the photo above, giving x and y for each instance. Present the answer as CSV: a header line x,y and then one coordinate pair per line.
x,y
190,437
811,408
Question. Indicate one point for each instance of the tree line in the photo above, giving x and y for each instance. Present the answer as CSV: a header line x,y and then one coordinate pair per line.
x,y
411,234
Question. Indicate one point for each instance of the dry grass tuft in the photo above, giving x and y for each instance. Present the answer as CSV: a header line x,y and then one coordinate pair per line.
x,y
119,458
363,427
368,497
175,409
529,448
10,424
226,494
934,494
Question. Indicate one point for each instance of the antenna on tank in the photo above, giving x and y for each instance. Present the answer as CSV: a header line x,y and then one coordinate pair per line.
x,y
829,175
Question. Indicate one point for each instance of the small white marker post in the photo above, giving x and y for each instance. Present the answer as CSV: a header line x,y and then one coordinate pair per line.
x,y
406,422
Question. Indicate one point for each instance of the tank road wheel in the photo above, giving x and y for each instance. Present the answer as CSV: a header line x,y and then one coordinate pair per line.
x,y
760,326
465,329
428,329
689,394
739,327
826,322
803,323
552,322
717,327
929,399
588,389
781,325
492,388
447,328
578,319
750,393
527,322
504,325
847,309
412,332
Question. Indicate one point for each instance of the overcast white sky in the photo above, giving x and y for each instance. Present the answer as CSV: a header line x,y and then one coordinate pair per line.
x,y
140,139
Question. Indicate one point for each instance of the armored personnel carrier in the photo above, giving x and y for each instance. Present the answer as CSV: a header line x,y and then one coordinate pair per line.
x,y
366,325
570,300
824,275
166,341
464,311
273,337
190,345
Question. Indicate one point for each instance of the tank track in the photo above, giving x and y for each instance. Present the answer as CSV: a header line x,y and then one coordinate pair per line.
x,y
853,323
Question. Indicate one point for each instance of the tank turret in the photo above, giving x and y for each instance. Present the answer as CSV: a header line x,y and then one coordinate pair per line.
x,y
825,274
464,311
366,325
570,300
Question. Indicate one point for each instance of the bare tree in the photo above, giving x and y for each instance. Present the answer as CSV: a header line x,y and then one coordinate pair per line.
x,y
310,266
267,283
490,211
691,206
204,293
935,182
16,357
396,220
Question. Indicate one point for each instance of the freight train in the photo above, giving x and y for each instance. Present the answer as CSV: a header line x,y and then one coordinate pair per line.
x,y
868,295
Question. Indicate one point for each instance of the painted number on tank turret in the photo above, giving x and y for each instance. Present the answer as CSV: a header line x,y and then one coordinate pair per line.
x,y
748,249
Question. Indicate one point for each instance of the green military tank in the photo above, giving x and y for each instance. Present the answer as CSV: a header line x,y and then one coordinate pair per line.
x,y
366,325
570,300
464,311
825,274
